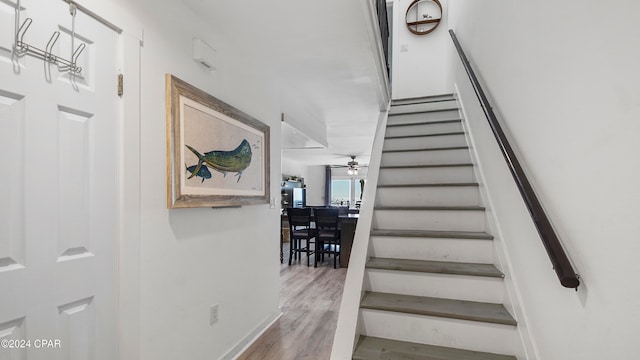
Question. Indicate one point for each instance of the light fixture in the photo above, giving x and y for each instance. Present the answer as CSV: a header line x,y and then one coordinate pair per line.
x,y
352,166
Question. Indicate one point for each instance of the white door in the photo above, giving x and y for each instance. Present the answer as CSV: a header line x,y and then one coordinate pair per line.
x,y
58,190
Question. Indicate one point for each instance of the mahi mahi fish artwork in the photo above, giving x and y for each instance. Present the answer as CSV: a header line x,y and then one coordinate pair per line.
x,y
236,160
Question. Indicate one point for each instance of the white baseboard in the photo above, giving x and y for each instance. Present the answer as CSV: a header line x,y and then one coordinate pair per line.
x,y
244,344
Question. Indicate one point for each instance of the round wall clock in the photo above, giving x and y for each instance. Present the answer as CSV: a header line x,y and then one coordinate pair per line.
x,y
423,16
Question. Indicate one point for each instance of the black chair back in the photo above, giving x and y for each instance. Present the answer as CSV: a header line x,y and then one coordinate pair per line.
x,y
300,233
326,219
327,234
299,217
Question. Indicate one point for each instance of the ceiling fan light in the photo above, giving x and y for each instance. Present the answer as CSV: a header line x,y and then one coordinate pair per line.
x,y
352,166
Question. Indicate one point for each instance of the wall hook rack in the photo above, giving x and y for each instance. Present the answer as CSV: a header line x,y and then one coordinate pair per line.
x,y
22,48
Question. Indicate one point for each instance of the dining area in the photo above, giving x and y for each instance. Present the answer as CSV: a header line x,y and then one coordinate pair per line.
x,y
319,211
315,245
317,235
310,299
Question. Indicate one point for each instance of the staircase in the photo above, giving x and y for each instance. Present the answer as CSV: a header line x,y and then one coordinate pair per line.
x,y
431,290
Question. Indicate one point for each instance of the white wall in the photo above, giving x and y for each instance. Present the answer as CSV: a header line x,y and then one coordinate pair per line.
x,y
315,181
191,259
563,77
294,168
418,71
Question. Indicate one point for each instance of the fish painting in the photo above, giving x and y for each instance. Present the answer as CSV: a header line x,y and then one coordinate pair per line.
x,y
203,173
236,160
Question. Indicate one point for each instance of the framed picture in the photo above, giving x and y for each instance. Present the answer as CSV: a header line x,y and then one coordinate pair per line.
x,y
217,156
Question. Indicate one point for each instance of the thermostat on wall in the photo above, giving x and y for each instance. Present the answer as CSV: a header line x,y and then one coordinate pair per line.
x,y
204,54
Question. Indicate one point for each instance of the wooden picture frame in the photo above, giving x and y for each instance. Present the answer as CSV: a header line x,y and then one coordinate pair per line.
x,y
217,156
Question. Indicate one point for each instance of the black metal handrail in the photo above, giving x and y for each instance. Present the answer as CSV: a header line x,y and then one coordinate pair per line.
x,y
559,260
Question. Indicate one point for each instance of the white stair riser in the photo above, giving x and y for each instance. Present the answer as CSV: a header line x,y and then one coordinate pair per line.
x,y
430,175
447,286
428,106
438,220
434,249
427,141
424,99
424,129
412,118
431,157
461,334
428,196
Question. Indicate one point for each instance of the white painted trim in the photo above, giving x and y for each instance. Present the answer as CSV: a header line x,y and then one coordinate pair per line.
x,y
129,201
347,329
244,344
504,262
373,30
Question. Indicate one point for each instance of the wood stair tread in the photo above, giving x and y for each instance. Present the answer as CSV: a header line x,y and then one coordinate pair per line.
x,y
427,149
397,104
439,307
391,112
446,208
422,122
433,234
390,167
375,348
472,184
436,267
424,99
424,135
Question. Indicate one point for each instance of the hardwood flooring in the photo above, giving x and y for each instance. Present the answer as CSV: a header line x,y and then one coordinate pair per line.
x,y
310,299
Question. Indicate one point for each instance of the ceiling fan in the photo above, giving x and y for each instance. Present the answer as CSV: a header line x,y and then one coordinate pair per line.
x,y
352,166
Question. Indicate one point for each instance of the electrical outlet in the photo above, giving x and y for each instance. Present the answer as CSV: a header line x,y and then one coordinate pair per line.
x,y
213,314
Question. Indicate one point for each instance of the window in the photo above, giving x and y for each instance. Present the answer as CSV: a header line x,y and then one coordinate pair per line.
x,y
340,192
346,192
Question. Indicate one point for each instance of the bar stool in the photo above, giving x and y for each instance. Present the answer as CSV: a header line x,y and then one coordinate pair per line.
x,y
327,234
300,231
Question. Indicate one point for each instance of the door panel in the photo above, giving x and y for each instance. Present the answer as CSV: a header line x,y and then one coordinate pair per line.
x,y
12,171
74,129
59,190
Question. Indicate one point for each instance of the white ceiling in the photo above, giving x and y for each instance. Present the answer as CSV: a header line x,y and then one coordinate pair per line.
x,y
322,55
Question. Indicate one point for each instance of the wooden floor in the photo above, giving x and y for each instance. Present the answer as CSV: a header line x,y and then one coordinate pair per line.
x,y
310,299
